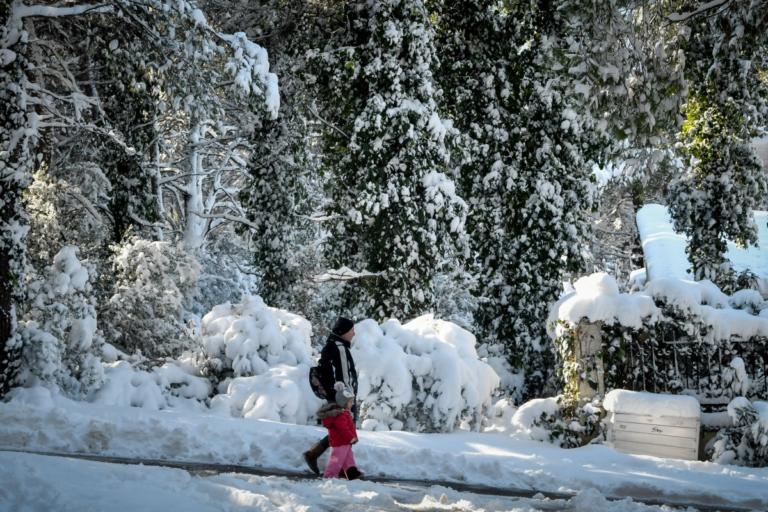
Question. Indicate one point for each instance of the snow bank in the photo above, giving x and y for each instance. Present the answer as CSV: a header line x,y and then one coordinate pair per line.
x,y
425,374
651,404
36,419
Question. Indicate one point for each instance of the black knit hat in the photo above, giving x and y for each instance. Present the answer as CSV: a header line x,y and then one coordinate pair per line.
x,y
342,326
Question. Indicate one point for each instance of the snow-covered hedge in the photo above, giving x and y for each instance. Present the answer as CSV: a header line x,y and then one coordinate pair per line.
x,y
697,316
421,376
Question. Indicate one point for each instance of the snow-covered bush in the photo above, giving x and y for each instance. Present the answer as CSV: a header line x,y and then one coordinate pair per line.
x,y
746,442
169,385
60,343
421,376
259,357
552,420
156,283
281,393
249,338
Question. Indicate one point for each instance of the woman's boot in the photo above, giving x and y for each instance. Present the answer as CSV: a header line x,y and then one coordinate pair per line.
x,y
311,455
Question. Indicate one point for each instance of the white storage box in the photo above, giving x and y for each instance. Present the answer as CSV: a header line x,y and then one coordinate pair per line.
x,y
653,424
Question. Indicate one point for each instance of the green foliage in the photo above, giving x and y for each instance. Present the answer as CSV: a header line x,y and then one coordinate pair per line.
x,y
395,209
713,201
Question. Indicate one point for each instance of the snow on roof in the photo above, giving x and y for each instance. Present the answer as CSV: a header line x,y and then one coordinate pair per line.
x,y
651,404
664,249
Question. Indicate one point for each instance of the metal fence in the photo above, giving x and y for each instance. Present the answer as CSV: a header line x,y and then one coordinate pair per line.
x,y
667,365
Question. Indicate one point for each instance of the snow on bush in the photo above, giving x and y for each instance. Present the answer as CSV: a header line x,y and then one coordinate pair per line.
x,y
746,441
249,338
547,420
156,283
60,343
421,376
169,385
260,356
282,393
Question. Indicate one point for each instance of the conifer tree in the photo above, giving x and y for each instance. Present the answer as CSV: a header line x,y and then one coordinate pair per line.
x,y
395,208
525,170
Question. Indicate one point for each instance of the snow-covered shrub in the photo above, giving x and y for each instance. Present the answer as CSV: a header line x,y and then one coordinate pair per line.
x,y
60,343
552,420
249,338
282,393
746,442
169,385
421,376
260,358
156,283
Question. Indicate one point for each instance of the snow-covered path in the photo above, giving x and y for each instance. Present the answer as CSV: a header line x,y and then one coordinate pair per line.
x,y
35,483
42,422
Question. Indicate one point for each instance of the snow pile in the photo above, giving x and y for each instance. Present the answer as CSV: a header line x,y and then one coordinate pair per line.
x,y
249,338
651,404
597,298
424,375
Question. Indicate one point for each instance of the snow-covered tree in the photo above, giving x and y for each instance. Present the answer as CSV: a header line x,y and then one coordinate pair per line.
x,y
713,199
155,286
525,168
394,207
60,343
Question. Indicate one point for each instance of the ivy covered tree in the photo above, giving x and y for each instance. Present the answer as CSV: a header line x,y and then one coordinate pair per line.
x,y
394,207
525,169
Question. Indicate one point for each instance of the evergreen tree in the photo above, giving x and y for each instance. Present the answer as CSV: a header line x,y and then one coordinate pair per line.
x,y
525,170
727,55
395,209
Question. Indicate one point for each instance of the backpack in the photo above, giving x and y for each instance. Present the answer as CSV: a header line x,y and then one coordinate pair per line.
x,y
316,382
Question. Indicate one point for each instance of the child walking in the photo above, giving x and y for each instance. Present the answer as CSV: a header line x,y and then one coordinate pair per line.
x,y
337,418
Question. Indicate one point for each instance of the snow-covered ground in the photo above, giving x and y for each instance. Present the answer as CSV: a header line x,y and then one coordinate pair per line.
x,y
37,420
33,483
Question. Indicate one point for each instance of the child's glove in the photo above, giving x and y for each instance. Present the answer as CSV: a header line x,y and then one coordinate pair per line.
x,y
354,441
338,386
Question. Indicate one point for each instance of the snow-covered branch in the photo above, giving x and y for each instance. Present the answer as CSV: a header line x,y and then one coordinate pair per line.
x,y
707,7
344,274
